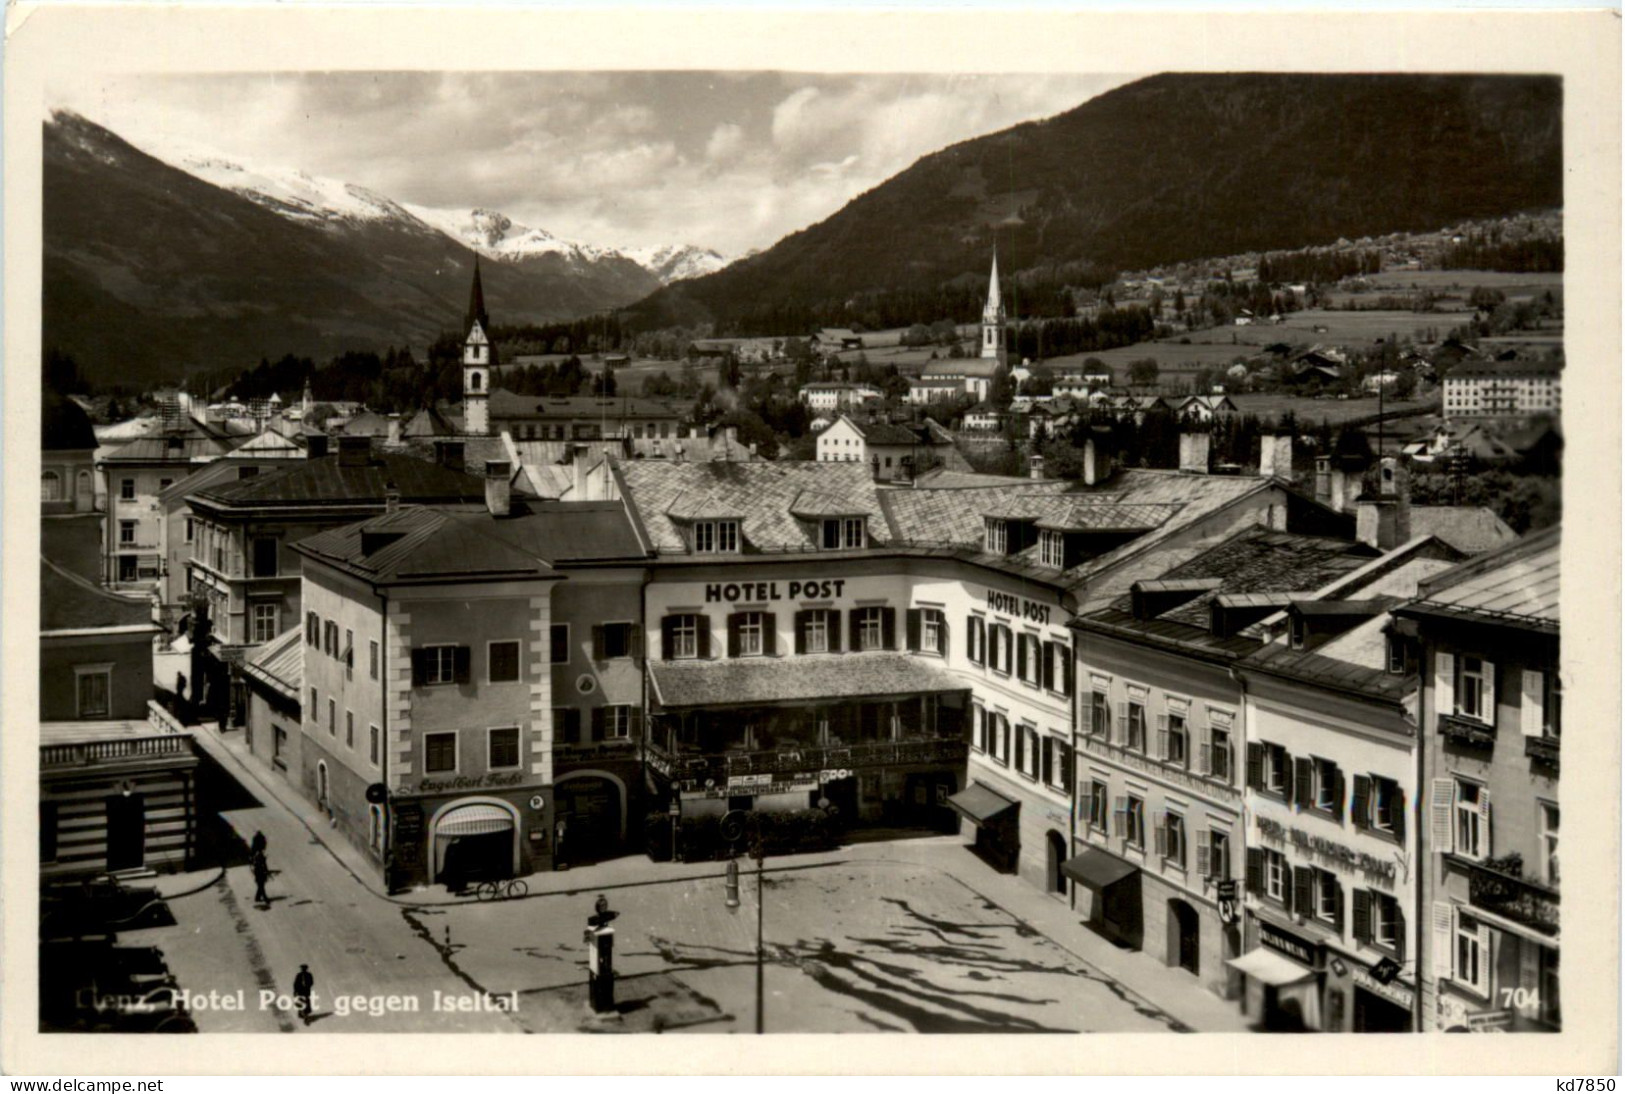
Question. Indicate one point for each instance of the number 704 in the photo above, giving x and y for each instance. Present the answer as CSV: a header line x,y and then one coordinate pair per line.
x,y
1520,997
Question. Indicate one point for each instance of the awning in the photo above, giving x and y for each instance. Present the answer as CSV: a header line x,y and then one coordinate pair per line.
x,y
1097,869
1269,967
979,804
810,678
473,820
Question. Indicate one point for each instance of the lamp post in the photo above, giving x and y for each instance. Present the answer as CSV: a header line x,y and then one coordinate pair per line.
x,y
732,904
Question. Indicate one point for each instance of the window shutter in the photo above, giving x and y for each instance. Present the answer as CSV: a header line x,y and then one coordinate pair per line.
x,y
1067,668
635,723
1337,903
770,634
1303,891
1337,792
1162,835
974,636
1048,767
1117,732
888,628
1255,765
1486,828
419,674
1399,814
1021,657
1530,715
1205,758
1255,870
1399,931
1444,683
912,624
853,642
1289,786
1362,915
1304,783
1202,867
1119,812
572,725
1441,801
942,634
1162,736
801,631
598,643
1065,749
635,640
1360,812
460,659
598,714
1443,944
668,626
734,619
702,637
1489,693
1021,748
1048,675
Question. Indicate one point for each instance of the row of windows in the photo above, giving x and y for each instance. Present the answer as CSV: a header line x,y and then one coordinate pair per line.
x,y
1123,817
1378,919
1037,756
313,716
322,635
1315,783
1036,663
687,636
723,537
441,750
1173,746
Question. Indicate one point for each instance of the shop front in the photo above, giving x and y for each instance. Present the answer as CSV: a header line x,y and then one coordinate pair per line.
x,y
1113,887
462,836
1283,973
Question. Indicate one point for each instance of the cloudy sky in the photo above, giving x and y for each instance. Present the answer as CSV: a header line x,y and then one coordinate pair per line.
x,y
730,161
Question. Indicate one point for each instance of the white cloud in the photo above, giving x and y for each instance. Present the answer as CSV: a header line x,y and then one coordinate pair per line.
x,y
727,140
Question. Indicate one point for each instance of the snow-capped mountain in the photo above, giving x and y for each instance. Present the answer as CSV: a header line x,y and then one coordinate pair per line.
x,y
294,194
496,236
674,262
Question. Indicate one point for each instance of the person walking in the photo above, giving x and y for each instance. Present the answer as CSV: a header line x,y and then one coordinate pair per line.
x,y
303,985
256,847
262,874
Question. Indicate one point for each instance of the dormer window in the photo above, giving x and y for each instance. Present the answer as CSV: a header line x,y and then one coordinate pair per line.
x,y
1052,548
716,537
998,536
843,532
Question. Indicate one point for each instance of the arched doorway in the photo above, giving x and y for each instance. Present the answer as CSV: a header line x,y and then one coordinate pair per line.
x,y
475,839
590,806
1056,855
1184,936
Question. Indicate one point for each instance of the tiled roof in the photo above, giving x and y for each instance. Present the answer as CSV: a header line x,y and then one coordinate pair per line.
x,y
67,602
328,481
428,422
280,663
367,424
747,680
1471,529
183,447
1317,667
940,515
1506,369
1518,583
269,443
960,366
886,433
664,496
943,479
1080,513
225,469
459,544
506,404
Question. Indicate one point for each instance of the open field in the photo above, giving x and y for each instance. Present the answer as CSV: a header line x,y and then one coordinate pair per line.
x,y
1335,411
1465,281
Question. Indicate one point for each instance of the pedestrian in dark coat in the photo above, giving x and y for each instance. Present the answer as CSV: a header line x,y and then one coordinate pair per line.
x,y
262,874
257,846
303,985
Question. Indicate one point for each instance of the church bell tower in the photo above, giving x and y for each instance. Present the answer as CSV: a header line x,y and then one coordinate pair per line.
x,y
993,317
477,361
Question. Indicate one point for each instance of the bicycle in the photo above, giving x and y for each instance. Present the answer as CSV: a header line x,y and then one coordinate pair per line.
x,y
501,890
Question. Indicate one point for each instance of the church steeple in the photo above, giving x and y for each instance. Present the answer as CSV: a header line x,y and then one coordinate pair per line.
x,y
476,304
993,316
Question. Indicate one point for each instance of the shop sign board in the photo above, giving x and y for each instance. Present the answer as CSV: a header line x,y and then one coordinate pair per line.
x,y
1398,994
1329,851
1284,942
490,780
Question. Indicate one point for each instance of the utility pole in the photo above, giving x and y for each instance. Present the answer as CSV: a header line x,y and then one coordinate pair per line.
x,y
760,953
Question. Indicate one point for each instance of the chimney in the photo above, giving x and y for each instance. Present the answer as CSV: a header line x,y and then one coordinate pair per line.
x,y
315,445
1383,520
1342,497
394,440
1323,479
753,450
578,467
1091,467
355,451
1035,466
693,432
1275,456
498,498
1193,452
392,497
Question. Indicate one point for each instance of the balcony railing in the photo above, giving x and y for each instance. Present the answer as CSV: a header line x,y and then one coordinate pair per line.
x,y
791,760
1466,731
89,753
1512,897
1543,750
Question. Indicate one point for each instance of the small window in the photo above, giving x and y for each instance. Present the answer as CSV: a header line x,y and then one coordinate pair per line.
x,y
372,658
439,752
265,556
1052,548
1097,804
1100,715
264,621
997,536
1031,659
94,691
1328,896
1297,632
504,748
1396,655
126,489
853,531
349,729
751,625
1276,769
871,628
1136,726
1218,756
618,722
932,626
315,706
815,631
1470,819
1176,749
50,486
503,662
558,643
190,531
1275,875
332,718
1548,843
126,533
1471,680
372,744
685,631
617,641
716,537
1472,954
439,665
1134,822
1387,803
1385,922
1218,856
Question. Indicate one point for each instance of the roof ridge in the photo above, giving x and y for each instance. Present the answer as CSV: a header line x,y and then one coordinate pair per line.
x,y
90,586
